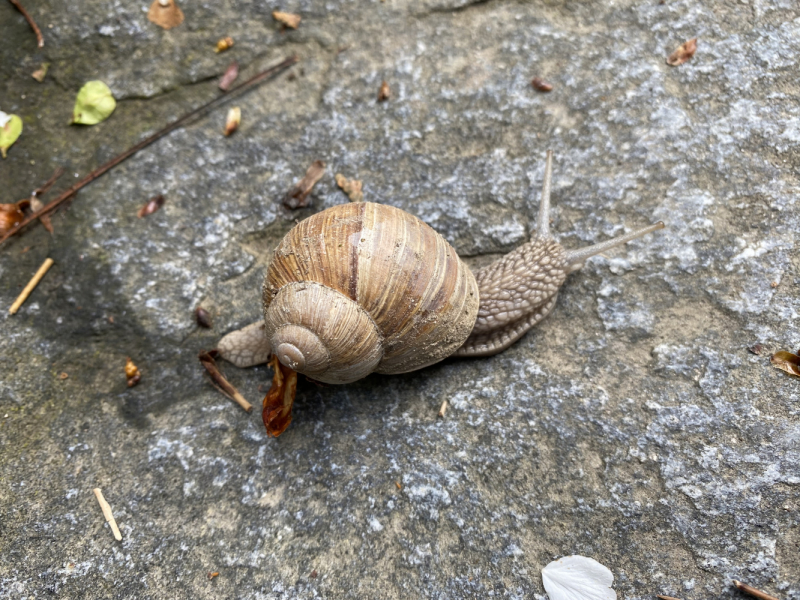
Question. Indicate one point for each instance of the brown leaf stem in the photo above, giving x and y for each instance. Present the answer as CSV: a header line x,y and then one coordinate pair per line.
x,y
202,110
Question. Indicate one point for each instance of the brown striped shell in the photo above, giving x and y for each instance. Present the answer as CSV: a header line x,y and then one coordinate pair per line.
x,y
365,287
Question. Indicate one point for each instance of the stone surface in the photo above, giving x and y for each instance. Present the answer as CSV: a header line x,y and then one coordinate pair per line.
x,y
631,426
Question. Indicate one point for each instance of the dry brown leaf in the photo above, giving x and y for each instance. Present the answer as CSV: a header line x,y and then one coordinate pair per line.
x,y
165,13
224,44
231,73
152,206
787,362
684,52
286,19
202,317
384,92
298,195
232,120
132,372
37,205
10,215
40,73
541,85
277,411
351,187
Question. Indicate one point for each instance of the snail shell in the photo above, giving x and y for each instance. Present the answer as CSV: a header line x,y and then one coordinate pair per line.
x,y
365,287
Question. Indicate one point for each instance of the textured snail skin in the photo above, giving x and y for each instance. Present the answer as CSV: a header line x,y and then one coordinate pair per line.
x,y
365,287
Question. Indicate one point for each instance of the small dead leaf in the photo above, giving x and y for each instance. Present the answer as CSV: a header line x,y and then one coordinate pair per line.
x,y
756,349
224,44
384,92
297,196
132,372
10,130
684,52
152,206
93,104
787,362
202,317
40,73
36,205
62,376
277,411
232,120
351,187
231,73
541,85
212,575
286,19
165,14
10,215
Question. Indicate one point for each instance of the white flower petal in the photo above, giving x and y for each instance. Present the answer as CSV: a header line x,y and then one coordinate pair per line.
x,y
578,578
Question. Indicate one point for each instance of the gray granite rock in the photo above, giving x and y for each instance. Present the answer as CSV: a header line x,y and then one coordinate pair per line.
x,y
631,426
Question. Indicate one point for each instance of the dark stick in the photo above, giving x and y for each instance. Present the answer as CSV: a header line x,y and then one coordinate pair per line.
x,y
269,73
49,183
747,589
29,19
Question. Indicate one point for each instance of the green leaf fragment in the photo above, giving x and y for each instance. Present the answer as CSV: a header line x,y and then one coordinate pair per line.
x,y
93,104
10,128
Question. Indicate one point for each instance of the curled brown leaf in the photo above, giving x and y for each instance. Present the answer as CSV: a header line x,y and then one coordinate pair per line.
x,y
224,44
10,215
232,120
541,85
152,206
132,372
277,407
351,187
286,19
165,13
684,52
202,317
297,197
230,75
384,93
787,362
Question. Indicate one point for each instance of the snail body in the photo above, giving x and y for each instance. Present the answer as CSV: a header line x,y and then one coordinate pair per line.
x,y
364,287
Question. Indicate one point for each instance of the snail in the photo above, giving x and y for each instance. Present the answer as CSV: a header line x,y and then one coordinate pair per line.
x,y
362,287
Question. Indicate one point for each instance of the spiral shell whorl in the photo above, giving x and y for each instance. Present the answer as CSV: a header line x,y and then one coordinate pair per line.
x,y
320,332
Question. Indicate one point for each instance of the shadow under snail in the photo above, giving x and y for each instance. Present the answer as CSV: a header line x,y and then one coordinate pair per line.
x,y
362,287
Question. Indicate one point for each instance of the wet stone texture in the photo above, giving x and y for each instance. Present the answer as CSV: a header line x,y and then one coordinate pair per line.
x,y
631,426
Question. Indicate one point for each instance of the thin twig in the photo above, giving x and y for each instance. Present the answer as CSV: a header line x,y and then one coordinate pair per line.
x,y
29,19
106,508
31,284
49,183
743,587
666,597
443,409
264,75
207,360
